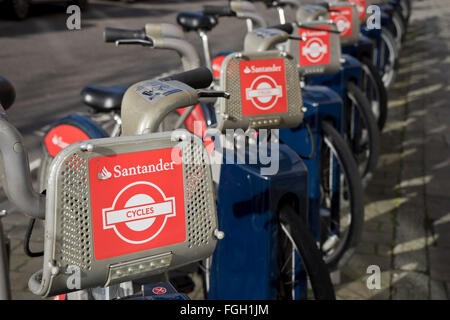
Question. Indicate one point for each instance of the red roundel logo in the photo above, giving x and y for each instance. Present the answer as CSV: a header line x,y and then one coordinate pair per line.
x,y
263,86
139,212
316,49
342,16
137,202
264,92
61,136
159,290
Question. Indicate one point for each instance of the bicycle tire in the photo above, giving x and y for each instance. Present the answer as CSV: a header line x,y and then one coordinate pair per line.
x,y
389,70
336,143
355,95
85,124
382,108
298,233
406,10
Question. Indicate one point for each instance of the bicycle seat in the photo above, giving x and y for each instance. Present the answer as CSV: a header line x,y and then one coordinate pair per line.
x,y
7,93
196,20
103,98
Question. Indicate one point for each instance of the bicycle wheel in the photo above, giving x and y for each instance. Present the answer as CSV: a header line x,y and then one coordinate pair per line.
x,y
386,57
342,208
294,237
82,124
362,132
376,93
405,5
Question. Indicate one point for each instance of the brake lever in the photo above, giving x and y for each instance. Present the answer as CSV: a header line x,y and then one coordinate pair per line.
x,y
134,41
297,38
202,93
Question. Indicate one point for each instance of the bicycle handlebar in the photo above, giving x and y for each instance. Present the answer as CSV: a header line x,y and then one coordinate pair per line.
x,y
15,176
198,78
7,93
115,34
286,27
221,11
326,5
278,3
268,3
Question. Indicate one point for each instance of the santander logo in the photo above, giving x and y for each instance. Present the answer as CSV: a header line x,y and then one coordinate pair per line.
x,y
254,69
58,141
104,174
120,171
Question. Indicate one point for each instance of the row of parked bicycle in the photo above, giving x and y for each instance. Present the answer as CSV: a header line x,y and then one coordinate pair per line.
x,y
247,169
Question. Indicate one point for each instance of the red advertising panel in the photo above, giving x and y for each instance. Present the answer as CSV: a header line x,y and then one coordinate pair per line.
x,y
263,86
342,16
361,6
315,49
137,202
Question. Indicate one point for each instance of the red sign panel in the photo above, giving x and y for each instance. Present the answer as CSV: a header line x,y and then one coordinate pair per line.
x,y
137,202
361,6
315,49
263,86
342,16
61,136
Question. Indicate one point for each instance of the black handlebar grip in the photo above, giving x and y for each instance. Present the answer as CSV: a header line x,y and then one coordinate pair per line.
x,y
7,93
268,3
286,27
221,11
326,5
114,34
196,78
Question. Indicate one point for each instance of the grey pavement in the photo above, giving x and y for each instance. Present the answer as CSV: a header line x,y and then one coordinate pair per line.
x,y
408,203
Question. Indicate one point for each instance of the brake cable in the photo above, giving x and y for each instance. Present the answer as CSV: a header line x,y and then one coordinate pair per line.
x,y
28,233
26,242
313,148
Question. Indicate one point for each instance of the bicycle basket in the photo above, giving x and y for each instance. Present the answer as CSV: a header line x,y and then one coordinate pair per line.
x,y
129,208
264,91
320,51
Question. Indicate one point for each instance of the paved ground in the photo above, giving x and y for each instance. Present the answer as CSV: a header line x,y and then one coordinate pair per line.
x,y
407,232
407,229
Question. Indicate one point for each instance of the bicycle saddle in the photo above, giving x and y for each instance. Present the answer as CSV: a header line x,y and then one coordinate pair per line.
x,y
194,21
7,93
103,98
